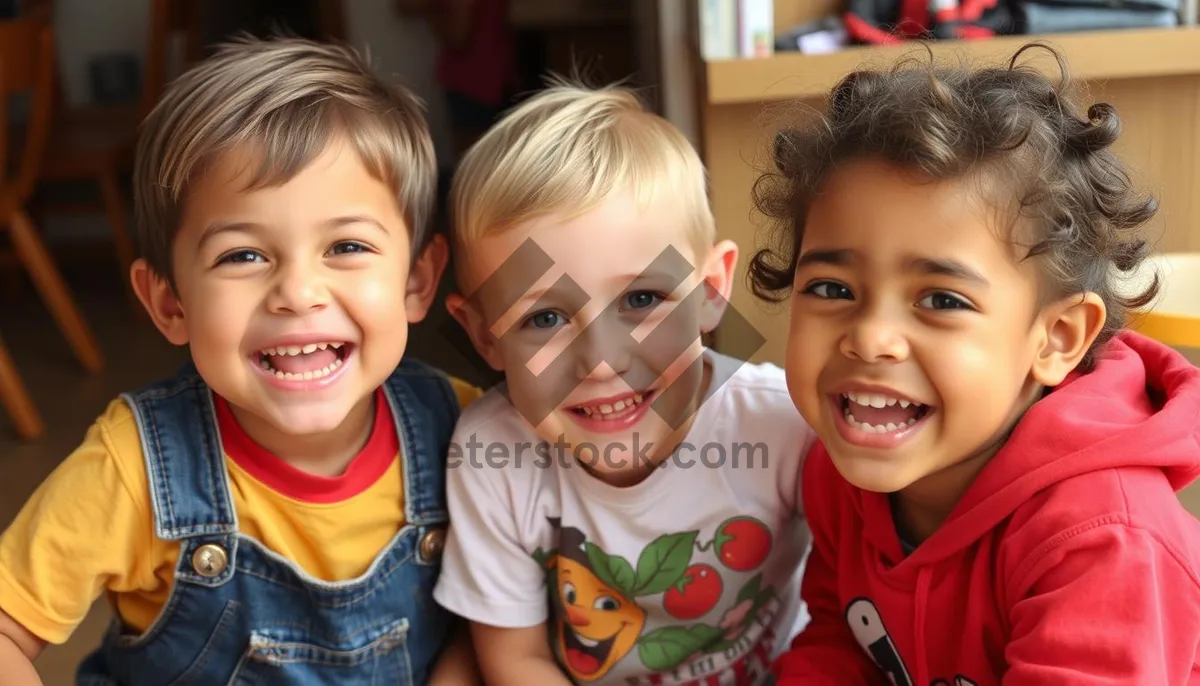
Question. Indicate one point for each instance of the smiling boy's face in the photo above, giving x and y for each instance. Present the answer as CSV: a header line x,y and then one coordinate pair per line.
x,y
295,299
575,344
917,336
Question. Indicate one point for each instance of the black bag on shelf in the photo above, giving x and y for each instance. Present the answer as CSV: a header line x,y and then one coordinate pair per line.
x,y
1059,16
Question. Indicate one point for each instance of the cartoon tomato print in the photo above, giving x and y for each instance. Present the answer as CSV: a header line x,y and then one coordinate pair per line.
x,y
743,543
695,594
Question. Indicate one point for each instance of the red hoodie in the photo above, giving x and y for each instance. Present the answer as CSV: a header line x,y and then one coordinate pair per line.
x,y
1069,560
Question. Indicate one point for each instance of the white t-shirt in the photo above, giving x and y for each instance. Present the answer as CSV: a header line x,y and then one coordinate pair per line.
x,y
691,576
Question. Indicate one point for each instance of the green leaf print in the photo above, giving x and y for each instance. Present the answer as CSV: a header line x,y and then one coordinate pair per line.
x,y
663,562
666,648
750,590
613,571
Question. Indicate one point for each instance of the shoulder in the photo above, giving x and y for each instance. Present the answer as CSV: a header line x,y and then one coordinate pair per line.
x,y
426,378
492,413
494,449
753,398
1103,510
108,460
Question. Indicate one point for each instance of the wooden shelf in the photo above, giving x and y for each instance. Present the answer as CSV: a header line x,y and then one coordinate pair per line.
x,y
1093,55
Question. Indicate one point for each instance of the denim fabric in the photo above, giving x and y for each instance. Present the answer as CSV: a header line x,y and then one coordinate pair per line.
x,y
240,614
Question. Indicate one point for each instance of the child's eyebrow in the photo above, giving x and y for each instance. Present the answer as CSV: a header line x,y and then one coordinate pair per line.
x,y
219,227
925,265
834,257
946,267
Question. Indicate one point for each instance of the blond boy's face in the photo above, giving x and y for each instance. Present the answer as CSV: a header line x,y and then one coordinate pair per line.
x,y
596,322
295,299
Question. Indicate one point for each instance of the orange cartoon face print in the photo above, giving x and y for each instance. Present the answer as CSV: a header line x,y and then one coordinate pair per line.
x,y
600,600
597,625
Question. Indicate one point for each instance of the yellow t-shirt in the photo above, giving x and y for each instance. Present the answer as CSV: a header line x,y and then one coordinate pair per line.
x,y
88,529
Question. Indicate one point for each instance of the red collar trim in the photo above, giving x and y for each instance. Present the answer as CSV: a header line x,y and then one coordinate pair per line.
x,y
367,467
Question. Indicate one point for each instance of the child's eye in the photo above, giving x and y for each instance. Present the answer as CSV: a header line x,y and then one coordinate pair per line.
x,y
941,300
348,248
639,300
829,290
241,257
547,319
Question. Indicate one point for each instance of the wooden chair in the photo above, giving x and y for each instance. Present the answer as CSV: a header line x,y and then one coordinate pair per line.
x,y
1174,317
96,142
27,63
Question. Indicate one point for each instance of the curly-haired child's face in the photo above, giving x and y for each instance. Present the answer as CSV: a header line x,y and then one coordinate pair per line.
x,y
917,337
295,299
596,321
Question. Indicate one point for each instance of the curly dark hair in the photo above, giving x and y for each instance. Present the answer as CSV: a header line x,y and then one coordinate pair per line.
x,y
1009,126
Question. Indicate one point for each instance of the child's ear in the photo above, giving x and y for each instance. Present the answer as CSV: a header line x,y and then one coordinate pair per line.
x,y
159,299
424,277
468,316
1069,327
718,283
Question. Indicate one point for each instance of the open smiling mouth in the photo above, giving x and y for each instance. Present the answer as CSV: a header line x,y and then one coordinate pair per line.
x,y
874,413
584,655
303,362
615,410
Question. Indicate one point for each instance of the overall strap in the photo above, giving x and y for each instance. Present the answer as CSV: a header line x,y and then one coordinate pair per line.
x,y
185,463
425,409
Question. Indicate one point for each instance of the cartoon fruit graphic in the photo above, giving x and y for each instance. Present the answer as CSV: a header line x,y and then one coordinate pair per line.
x,y
742,543
695,594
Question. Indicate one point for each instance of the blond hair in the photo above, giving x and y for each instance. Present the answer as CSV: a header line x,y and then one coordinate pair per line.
x,y
288,98
566,149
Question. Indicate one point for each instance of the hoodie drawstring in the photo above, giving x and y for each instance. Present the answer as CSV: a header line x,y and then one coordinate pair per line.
x,y
923,581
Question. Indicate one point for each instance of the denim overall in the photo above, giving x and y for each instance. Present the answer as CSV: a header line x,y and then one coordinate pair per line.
x,y
240,614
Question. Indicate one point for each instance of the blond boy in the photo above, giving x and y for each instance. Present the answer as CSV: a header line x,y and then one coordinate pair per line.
x,y
274,512
625,487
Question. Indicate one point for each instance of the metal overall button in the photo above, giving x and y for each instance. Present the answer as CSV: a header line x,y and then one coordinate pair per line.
x,y
432,543
209,560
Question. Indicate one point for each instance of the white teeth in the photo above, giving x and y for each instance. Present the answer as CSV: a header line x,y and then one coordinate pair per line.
x,y
875,400
300,349
587,642
618,406
875,428
305,376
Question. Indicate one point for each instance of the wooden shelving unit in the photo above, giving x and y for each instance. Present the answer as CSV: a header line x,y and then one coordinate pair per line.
x,y
1101,55
1151,76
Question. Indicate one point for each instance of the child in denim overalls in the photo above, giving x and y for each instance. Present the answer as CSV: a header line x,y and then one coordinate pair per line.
x,y
274,513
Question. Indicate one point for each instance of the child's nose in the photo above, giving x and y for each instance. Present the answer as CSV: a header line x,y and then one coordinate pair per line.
x,y
875,338
298,289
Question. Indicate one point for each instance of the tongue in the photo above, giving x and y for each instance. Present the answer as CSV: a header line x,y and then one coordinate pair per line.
x,y
881,416
298,364
582,662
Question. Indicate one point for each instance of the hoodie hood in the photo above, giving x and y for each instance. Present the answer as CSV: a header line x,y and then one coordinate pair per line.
x,y
1139,407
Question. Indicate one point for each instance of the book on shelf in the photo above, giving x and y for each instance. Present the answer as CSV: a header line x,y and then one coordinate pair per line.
x,y
731,29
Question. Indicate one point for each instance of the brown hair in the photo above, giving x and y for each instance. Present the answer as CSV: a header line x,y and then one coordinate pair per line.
x,y
288,98
1008,124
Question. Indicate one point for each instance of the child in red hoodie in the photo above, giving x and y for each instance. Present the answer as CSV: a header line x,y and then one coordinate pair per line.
x,y
993,495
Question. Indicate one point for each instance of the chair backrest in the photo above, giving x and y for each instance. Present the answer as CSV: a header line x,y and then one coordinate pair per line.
x,y
167,19
27,65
